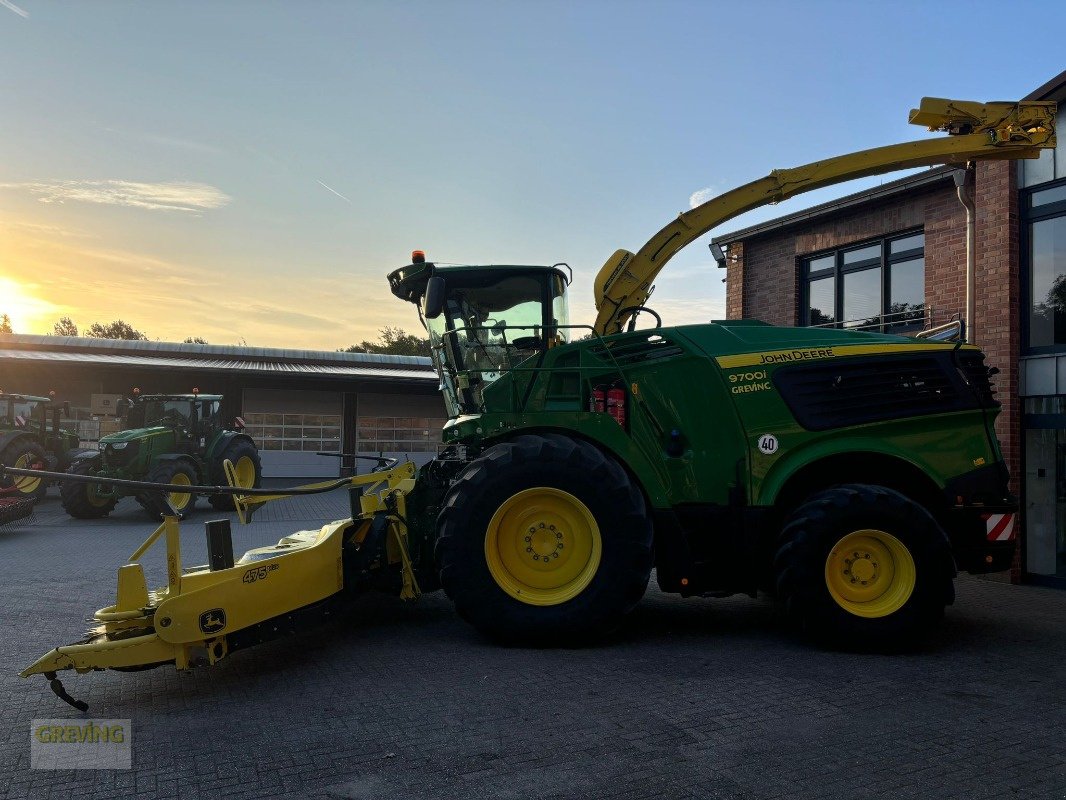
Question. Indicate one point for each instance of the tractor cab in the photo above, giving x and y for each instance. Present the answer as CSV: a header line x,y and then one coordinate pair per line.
x,y
23,411
484,320
30,413
194,417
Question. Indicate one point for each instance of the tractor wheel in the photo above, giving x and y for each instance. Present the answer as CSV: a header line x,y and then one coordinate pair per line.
x,y
176,472
544,540
24,453
249,468
85,500
864,568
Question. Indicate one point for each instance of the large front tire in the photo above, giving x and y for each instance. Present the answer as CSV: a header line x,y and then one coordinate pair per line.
x,y
24,454
173,472
86,500
544,540
864,568
249,469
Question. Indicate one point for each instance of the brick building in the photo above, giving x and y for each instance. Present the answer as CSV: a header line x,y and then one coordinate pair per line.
x,y
297,404
893,258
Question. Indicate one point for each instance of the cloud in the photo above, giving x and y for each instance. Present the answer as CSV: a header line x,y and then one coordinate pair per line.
x,y
163,196
39,229
9,5
701,196
167,141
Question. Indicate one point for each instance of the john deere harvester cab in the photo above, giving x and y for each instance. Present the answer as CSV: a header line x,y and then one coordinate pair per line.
x,y
484,321
31,437
171,439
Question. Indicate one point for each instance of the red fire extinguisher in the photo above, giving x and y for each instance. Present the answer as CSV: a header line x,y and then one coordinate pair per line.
x,y
598,400
616,404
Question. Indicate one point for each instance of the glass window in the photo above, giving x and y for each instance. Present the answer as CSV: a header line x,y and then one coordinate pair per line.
x,y
861,286
862,254
915,242
1047,274
818,264
1056,194
906,293
821,306
862,298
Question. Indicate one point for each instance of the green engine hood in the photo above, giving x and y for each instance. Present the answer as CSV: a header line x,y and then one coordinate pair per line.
x,y
135,434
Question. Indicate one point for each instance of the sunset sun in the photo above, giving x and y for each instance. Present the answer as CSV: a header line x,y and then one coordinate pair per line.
x,y
27,312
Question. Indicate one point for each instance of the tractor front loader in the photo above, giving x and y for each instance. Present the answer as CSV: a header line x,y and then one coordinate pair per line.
x,y
206,612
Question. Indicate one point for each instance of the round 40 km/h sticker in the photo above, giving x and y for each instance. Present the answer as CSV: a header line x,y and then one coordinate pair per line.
x,y
768,444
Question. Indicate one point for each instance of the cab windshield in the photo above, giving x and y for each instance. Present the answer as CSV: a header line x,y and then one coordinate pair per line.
x,y
491,324
160,412
12,408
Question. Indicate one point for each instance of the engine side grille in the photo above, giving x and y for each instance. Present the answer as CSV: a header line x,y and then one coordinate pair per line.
x,y
842,393
637,350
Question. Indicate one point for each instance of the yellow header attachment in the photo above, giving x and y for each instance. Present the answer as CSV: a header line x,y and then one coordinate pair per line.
x,y
976,131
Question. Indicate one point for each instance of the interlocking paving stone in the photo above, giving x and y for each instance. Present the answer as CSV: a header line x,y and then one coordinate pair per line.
x,y
692,699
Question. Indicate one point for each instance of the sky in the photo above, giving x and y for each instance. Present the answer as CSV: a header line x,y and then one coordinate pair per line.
x,y
249,172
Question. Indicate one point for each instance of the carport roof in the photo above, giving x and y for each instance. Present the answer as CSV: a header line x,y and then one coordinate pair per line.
x,y
170,355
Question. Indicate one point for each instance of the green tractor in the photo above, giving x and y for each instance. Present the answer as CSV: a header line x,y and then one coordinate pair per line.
x,y
29,442
175,439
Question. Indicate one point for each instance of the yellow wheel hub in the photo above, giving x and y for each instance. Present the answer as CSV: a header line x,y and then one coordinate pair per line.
x,y
180,500
24,484
244,470
870,573
543,546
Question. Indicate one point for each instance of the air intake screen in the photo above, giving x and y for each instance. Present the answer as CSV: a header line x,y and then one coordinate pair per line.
x,y
841,393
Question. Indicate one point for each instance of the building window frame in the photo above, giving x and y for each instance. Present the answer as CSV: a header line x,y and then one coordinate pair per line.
x,y
838,270
1026,217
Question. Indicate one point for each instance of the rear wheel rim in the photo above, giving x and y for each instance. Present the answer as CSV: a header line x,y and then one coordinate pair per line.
x,y
543,546
23,483
870,573
244,472
180,500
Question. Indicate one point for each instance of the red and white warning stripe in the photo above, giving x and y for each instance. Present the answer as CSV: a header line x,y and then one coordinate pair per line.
x,y
999,527
20,421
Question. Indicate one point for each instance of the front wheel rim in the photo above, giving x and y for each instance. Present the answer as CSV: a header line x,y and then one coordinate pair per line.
x,y
244,472
543,546
870,573
23,483
180,500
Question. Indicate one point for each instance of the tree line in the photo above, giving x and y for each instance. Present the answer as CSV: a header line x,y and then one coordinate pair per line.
x,y
391,341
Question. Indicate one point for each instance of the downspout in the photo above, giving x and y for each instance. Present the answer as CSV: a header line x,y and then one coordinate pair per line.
x,y
964,189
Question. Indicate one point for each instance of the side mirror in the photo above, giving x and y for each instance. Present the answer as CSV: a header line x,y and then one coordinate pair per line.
x,y
66,408
433,302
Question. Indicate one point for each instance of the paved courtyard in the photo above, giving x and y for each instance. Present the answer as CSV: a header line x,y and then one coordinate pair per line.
x,y
693,699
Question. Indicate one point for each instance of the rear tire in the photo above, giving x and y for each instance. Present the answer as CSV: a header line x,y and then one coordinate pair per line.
x,y
83,500
24,453
864,568
245,457
180,472
544,540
